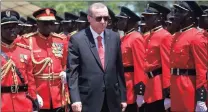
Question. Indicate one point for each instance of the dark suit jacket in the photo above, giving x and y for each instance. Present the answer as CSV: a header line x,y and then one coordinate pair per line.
x,y
88,81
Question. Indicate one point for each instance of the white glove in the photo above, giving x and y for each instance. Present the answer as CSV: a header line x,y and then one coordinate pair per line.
x,y
40,101
77,107
140,100
63,77
167,103
201,107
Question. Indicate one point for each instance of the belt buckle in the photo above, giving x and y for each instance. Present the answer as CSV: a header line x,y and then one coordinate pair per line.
x,y
14,88
151,74
178,71
171,71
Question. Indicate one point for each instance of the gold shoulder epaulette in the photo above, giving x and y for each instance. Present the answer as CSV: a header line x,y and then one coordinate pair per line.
x,y
146,33
29,34
62,36
23,46
72,33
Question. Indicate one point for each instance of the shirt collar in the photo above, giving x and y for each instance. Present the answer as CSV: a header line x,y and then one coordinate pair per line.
x,y
95,35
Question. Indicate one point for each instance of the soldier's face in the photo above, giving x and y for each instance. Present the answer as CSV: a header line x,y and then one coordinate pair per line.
x,y
122,23
45,27
82,25
203,21
57,28
68,27
179,15
9,31
150,20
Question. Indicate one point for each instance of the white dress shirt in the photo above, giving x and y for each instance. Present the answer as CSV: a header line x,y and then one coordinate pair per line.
x,y
95,35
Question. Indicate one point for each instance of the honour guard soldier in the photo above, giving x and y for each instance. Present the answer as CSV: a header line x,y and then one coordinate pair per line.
x,y
187,60
18,90
33,22
203,26
156,65
58,25
82,21
133,58
69,25
142,26
48,55
112,22
23,26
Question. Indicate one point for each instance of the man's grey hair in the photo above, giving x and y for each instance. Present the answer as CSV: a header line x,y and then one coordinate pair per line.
x,y
95,6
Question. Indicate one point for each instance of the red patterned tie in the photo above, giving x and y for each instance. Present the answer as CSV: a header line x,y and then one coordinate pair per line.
x,y
101,50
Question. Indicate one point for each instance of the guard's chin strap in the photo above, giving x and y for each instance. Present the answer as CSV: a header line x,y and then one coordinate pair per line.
x,y
186,28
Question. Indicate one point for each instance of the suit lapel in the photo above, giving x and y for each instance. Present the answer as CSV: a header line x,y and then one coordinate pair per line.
x,y
90,41
107,47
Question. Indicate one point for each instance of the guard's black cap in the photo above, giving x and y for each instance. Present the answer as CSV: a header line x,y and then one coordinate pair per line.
x,y
191,6
69,17
23,22
58,19
82,17
154,8
205,9
112,14
9,16
31,21
127,13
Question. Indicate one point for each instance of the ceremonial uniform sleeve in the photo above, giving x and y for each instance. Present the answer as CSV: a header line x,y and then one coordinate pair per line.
x,y
31,80
65,53
199,52
165,60
72,70
138,59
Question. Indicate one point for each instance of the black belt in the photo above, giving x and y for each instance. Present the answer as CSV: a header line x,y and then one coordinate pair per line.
x,y
129,69
178,71
154,73
14,88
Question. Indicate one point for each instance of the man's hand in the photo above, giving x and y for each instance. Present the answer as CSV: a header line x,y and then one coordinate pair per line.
x,y
123,106
167,103
40,101
63,77
201,107
140,100
77,107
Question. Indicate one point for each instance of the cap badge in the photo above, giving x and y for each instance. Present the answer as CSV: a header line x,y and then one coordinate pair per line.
x,y
48,11
8,13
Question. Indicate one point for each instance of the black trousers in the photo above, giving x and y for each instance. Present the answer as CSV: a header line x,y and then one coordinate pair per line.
x,y
157,106
105,106
142,108
132,108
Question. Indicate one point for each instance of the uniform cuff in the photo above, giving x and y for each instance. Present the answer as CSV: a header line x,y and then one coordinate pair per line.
x,y
201,94
139,88
166,92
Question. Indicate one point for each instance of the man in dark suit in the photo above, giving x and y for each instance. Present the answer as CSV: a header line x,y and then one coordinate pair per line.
x,y
94,66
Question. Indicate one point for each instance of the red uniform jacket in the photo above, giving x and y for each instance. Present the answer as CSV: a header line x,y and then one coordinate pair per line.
x,y
49,59
188,52
157,45
19,55
133,56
